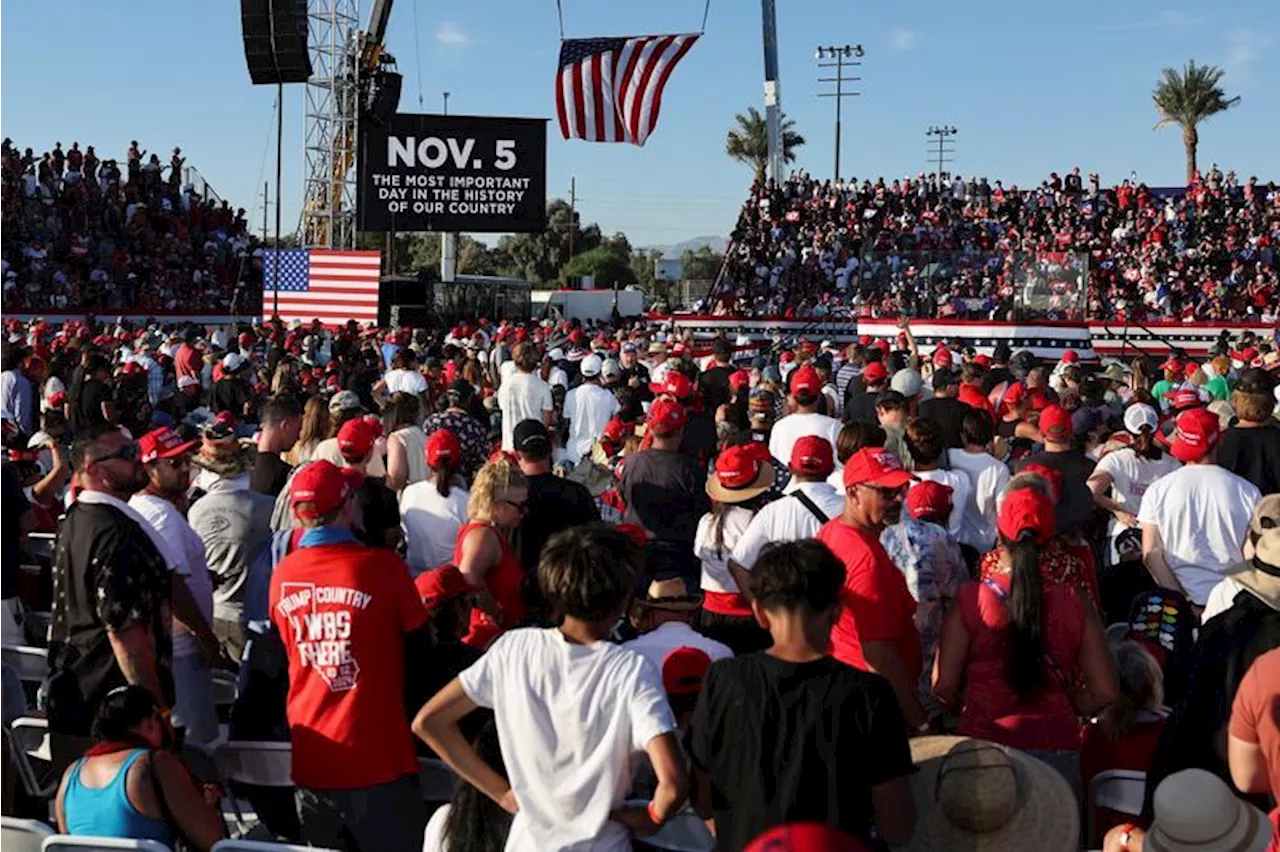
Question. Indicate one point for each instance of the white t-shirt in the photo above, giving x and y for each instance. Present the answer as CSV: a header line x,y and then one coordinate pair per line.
x,y
1131,475
961,490
715,563
656,644
987,478
787,519
1202,512
573,721
186,550
327,450
588,408
793,427
405,381
506,370
524,396
430,523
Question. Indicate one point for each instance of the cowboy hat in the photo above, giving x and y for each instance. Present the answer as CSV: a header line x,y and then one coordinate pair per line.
x,y
982,797
670,594
741,473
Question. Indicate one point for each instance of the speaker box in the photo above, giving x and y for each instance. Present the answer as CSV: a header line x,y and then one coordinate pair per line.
x,y
384,96
414,316
275,41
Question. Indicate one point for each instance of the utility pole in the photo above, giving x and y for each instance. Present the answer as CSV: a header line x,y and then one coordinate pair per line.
x,y
573,206
772,89
942,149
848,55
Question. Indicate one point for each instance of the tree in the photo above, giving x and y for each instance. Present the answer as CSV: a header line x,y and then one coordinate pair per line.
x,y
1188,98
609,270
642,267
748,142
539,257
700,265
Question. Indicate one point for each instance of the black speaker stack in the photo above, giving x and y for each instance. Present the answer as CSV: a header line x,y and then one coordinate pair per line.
x,y
275,41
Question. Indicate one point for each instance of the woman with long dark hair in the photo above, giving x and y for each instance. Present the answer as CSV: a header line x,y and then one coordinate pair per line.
x,y
471,822
406,442
1019,658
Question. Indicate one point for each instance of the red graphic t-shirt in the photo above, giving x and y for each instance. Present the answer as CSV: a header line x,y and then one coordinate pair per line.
x,y
342,611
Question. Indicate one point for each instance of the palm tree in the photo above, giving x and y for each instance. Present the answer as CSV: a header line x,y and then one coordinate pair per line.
x,y
1188,98
748,142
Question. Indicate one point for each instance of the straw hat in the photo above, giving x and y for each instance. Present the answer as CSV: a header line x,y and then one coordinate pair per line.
x,y
741,473
670,594
976,796
1195,811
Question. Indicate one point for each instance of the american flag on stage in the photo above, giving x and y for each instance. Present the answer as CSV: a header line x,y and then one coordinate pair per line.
x,y
610,89
332,286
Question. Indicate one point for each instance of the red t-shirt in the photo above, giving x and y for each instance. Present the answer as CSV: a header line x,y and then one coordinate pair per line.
x,y
342,611
1254,717
875,604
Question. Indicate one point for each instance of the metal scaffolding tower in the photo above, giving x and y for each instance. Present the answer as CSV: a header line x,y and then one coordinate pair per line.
x,y
331,104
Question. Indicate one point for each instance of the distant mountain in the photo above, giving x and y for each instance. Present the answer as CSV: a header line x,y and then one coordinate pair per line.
x,y
716,244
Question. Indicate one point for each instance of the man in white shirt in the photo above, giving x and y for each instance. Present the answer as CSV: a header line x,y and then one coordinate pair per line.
x,y
806,391
588,408
809,502
664,619
1194,520
166,458
987,478
524,396
403,377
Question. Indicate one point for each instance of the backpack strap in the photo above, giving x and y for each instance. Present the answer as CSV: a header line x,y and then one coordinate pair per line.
x,y
808,503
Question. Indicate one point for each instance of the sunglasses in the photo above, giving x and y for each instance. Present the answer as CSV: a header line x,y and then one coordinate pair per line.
x,y
128,452
521,507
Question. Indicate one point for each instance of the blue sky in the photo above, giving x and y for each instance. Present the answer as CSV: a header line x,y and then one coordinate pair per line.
x,y
1032,87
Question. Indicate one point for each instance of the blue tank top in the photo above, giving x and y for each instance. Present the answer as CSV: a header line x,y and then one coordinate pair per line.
x,y
106,811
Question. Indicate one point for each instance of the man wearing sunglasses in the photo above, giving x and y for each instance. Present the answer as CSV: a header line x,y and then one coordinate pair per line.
x,y
166,461
875,630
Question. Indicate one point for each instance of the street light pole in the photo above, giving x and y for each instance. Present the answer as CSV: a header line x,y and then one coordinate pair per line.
x,y
845,55
942,133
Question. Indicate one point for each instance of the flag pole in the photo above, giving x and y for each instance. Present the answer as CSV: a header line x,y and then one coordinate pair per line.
x,y
275,272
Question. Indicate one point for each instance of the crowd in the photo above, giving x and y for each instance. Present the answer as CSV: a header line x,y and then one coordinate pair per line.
x,y
950,247
640,591
82,235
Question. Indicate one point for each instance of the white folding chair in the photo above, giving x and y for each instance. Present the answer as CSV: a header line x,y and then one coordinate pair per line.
x,y
27,740
1118,790
70,843
266,764
32,664
437,779
233,845
23,835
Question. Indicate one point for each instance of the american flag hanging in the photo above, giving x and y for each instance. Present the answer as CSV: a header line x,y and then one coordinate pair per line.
x,y
610,89
331,286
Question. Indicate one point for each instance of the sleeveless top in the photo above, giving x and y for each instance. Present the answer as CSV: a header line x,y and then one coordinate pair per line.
x,y
414,442
504,582
106,811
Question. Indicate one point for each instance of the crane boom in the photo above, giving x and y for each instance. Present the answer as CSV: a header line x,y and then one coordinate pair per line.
x,y
378,20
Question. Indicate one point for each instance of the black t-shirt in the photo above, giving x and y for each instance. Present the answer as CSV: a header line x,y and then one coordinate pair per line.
x,y
555,504
1075,510
230,394
379,512
15,506
859,403
714,384
795,742
1253,454
948,413
995,376
699,441
665,493
270,473
86,411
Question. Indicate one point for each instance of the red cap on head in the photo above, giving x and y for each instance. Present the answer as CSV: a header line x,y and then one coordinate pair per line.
x,y
812,455
982,360
1026,509
163,443
1172,363
324,485
1195,435
675,384
1189,369
615,431
874,373
883,346
805,382
739,379
635,532
133,368
245,339
439,586
1055,424
443,449
666,417
736,468
805,837
942,358
355,439
1071,356
930,501
1184,398
875,466
684,669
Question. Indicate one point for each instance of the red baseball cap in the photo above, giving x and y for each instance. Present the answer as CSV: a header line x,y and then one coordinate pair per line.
x,y
942,357
615,431
1185,398
440,585
666,417
676,384
805,837
1026,509
1172,363
875,466
1071,356
929,501
1195,435
1055,423
163,443
805,381
355,439
684,669
638,535
443,448
812,455
739,379
1190,368
874,373
982,360
324,485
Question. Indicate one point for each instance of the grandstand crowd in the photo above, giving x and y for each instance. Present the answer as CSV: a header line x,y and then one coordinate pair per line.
x,y
948,246
637,591
82,233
